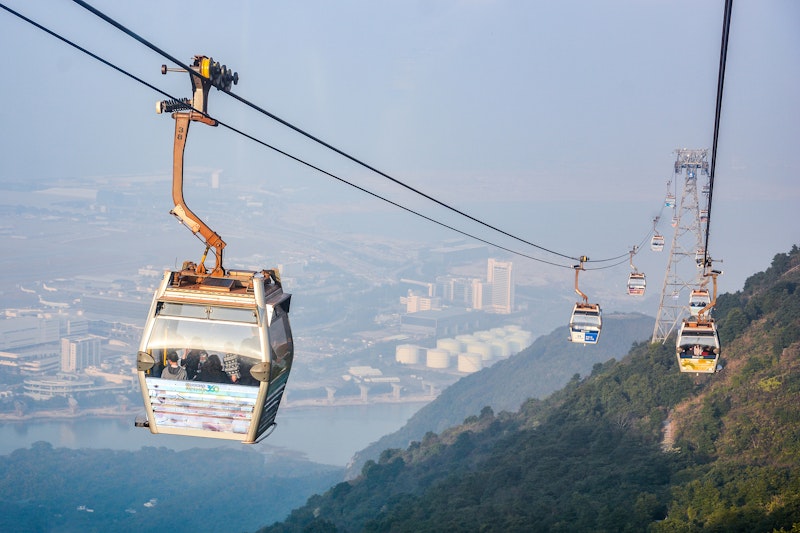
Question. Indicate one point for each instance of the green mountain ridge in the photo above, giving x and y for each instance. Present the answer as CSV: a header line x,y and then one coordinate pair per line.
x,y
539,370
635,446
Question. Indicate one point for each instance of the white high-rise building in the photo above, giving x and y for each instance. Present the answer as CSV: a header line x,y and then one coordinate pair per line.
x,y
500,278
77,353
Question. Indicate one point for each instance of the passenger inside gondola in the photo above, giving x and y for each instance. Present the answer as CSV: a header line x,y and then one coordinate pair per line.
x,y
697,350
173,370
193,362
212,371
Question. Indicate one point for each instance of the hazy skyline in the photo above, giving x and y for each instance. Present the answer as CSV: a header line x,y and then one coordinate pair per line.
x,y
572,108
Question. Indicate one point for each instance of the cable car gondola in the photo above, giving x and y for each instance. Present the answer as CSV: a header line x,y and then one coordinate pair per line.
x,y
669,201
636,280
657,243
700,257
636,284
698,347
217,346
586,320
698,299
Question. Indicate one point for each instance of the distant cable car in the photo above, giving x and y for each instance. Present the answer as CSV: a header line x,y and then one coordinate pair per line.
x,y
669,201
697,346
706,189
674,222
636,284
698,300
586,320
703,215
217,346
636,280
657,243
700,257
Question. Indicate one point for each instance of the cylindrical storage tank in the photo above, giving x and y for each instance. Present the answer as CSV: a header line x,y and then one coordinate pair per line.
x,y
407,354
453,346
465,338
438,358
484,335
469,362
512,328
498,333
500,348
481,348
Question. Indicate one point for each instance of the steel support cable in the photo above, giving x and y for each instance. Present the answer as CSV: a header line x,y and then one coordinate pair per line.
x,y
275,149
319,141
723,57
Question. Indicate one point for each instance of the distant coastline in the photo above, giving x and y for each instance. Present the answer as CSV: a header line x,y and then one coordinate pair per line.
x,y
51,415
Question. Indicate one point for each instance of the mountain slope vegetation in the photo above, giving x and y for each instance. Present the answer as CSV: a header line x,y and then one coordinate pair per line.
x,y
537,371
635,446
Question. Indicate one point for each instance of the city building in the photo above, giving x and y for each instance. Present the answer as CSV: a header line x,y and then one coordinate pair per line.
x,y
78,353
500,278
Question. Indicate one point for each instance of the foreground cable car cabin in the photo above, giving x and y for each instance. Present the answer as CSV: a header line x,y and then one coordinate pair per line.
x,y
637,283
586,320
698,300
698,346
217,346
232,345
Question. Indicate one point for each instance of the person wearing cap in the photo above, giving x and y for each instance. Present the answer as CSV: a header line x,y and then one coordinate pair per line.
x,y
173,370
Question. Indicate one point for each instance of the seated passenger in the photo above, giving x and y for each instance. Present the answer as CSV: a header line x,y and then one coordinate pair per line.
x,y
230,364
193,362
173,370
212,372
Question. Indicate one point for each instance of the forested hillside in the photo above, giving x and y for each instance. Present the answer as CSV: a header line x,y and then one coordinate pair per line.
x,y
155,489
635,446
544,367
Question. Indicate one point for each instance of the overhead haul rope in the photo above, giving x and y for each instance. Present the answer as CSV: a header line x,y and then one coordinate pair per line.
x,y
723,56
304,133
277,150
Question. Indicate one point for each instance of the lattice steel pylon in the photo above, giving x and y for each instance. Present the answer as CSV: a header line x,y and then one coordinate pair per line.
x,y
686,256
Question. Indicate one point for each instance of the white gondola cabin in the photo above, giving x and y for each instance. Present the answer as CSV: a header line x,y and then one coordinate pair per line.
x,y
700,257
698,300
637,284
232,345
698,346
657,243
585,323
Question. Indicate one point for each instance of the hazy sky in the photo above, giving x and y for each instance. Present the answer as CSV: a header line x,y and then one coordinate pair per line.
x,y
570,109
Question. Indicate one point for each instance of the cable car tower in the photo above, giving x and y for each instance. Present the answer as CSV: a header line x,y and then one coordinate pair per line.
x,y
685,266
